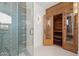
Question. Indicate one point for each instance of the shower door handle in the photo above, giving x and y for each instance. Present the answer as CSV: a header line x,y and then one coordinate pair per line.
x,y
31,32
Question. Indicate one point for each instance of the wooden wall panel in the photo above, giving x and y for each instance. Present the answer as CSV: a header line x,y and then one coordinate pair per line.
x,y
59,8
76,34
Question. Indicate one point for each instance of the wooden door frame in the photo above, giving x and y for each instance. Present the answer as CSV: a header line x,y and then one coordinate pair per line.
x,y
52,29
53,26
76,34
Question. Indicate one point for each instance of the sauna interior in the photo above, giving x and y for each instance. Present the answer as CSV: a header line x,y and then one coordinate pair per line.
x,y
57,29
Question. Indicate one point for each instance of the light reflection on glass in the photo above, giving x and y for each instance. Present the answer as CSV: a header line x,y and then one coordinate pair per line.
x,y
5,21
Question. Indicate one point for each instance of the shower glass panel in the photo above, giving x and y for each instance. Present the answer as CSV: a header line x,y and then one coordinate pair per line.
x,y
16,26
29,27
22,27
5,28
14,29
8,29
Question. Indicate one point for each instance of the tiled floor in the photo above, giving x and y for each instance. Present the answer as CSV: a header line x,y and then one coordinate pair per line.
x,y
52,51
25,53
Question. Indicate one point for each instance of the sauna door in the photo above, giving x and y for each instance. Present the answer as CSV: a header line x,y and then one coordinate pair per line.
x,y
70,30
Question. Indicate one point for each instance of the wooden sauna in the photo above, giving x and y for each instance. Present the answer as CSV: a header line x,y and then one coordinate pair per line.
x,y
61,27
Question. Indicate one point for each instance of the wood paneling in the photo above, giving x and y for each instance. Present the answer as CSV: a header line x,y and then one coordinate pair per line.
x,y
47,42
59,8
74,46
47,31
76,34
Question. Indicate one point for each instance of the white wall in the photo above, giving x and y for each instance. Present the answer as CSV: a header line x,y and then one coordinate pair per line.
x,y
38,25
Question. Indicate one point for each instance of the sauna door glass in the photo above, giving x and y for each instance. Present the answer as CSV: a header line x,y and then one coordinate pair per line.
x,y
70,28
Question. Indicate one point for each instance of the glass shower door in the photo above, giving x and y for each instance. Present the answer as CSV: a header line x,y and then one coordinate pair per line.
x,y
22,28
8,29
29,26
5,28
16,28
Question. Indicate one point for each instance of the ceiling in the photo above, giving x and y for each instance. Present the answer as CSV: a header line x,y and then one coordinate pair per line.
x,y
46,5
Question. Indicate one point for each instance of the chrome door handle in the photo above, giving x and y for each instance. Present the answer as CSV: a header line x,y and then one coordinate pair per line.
x,y
31,31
